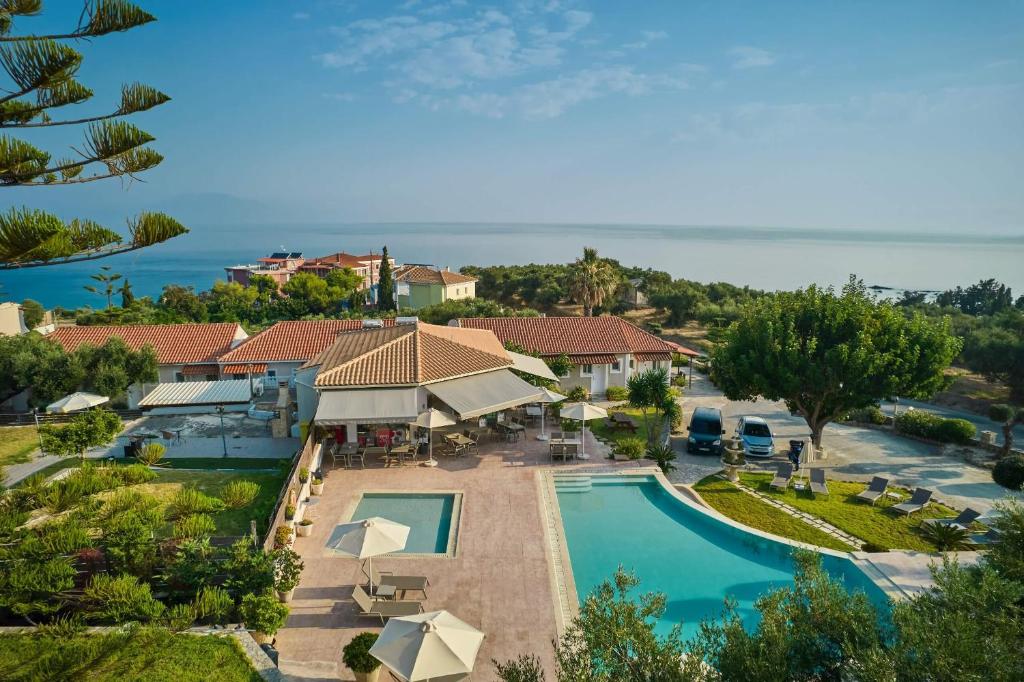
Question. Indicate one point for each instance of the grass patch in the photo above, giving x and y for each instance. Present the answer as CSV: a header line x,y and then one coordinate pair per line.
x,y
147,654
217,462
17,443
602,429
869,523
730,501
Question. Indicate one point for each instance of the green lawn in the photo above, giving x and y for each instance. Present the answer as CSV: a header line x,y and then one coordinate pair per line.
x,y
17,443
750,511
859,519
146,654
601,428
216,462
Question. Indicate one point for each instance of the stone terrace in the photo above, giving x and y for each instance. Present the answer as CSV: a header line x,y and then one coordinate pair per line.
x,y
498,580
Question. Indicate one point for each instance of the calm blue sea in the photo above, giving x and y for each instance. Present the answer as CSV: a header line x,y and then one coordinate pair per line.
x,y
768,258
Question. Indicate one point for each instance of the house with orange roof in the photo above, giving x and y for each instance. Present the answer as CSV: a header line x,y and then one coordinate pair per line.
x,y
417,286
605,351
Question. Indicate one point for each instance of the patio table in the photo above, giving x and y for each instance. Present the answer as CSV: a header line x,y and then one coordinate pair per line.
x,y
378,452
401,452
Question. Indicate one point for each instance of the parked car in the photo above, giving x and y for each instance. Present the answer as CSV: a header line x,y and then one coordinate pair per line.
x,y
705,431
756,437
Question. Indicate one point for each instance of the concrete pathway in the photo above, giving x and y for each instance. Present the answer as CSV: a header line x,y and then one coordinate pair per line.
x,y
980,421
911,571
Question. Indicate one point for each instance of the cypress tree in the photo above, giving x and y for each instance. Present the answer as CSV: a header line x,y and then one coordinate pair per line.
x,y
385,284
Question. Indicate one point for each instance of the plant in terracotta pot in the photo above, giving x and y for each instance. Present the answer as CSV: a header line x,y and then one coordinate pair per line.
x,y
282,537
318,486
303,475
289,512
263,615
287,571
356,656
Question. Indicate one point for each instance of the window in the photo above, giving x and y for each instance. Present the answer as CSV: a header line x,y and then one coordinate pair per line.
x,y
632,365
271,373
179,377
617,366
586,370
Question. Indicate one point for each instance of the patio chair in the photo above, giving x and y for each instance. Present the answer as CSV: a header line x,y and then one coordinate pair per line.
x,y
918,501
783,476
571,450
989,537
818,483
556,451
405,583
964,520
382,608
874,490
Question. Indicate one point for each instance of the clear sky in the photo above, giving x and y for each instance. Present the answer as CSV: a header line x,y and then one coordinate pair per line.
x,y
874,115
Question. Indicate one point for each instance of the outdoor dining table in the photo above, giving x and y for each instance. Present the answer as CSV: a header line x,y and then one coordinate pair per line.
x,y
378,452
459,441
344,451
401,452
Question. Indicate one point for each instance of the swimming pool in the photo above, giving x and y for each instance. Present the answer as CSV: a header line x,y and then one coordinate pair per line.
x,y
431,517
694,559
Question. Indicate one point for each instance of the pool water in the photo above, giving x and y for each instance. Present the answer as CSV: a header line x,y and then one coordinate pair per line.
x,y
694,559
428,515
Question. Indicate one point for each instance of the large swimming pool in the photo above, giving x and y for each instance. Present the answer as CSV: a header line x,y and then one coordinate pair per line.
x,y
430,517
694,559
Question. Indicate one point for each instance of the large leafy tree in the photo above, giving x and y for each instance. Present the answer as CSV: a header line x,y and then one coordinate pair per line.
x,y
42,70
825,353
997,351
592,280
88,429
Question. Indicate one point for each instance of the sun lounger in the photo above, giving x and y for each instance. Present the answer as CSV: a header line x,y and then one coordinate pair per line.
x,y
917,502
964,520
874,490
404,583
987,538
818,483
783,477
382,608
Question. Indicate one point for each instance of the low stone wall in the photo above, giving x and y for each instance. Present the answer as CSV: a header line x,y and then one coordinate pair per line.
x,y
309,458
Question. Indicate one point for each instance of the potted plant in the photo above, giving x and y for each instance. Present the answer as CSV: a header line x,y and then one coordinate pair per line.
x,y
287,571
282,537
263,615
318,486
356,656
304,528
289,512
733,459
303,475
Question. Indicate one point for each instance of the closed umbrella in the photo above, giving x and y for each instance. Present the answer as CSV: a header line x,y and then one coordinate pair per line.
x,y
429,420
369,538
547,397
76,401
583,412
428,646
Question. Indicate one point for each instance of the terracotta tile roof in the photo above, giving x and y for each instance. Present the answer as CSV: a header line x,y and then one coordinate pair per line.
x,y
647,357
551,336
292,340
408,355
419,274
174,344
200,370
683,350
592,359
255,368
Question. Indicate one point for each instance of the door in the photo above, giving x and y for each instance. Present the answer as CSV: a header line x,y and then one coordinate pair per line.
x,y
599,381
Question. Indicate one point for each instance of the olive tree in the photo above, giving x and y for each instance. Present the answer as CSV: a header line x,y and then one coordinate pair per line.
x,y
88,429
1008,417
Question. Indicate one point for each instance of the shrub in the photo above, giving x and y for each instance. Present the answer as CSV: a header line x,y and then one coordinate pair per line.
x,y
631,447
119,599
867,415
213,605
133,474
526,668
190,501
263,613
287,569
356,653
1009,472
663,456
303,475
874,548
282,536
958,431
578,394
654,328
289,511
180,617
151,454
617,393
249,569
238,494
945,537
927,425
194,526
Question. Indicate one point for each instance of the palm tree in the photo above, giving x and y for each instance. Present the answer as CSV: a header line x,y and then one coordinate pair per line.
x,y
108,280
592,280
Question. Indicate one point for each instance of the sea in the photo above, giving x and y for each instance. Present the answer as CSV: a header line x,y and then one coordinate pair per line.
x,y
761,257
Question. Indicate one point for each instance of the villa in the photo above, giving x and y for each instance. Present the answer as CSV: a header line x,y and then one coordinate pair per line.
x,y
278,266
284,265
605,351
418,286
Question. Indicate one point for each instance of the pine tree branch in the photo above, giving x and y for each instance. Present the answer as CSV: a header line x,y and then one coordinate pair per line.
x,y
99,17
134,98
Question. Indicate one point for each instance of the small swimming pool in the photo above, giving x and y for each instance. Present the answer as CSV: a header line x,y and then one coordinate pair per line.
x,y
694,559
430,517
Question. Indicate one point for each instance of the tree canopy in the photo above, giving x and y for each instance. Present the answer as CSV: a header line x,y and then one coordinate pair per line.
x,y
88,429
826,353
592,280
43,70
385,284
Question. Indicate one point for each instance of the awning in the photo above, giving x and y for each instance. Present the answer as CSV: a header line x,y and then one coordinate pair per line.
x,y
200,370
195,393
595,359
683,350
253,368
480,394
651,357
531,365
367,406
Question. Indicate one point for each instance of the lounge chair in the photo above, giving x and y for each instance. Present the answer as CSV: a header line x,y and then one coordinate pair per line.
x,y
874,490
989,537
964,520
382,608
783,477
404,583
917,502
818,483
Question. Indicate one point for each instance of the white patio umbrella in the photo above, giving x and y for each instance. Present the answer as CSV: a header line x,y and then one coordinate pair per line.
x,y
583,412
430,420
434,645
547,397
369,538
76,401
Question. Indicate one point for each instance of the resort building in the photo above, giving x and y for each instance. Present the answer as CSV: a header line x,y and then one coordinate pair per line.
x,y
417,286
184,352
367,266
605,351
12,320
277,266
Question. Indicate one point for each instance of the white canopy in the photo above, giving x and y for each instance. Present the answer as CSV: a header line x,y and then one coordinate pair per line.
x,y
480,394
531,365
549,396
428,646
76,401
433,419
583,412
196,393
368,538
367,406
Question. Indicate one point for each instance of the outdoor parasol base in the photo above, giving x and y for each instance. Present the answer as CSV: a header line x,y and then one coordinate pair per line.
x,y
583,455
429,463
543,436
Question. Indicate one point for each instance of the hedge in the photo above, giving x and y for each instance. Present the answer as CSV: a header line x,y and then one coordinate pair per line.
x,y
617,393
1009,472
933,427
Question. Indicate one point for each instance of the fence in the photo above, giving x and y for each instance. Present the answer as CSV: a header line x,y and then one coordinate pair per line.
x,y
29,418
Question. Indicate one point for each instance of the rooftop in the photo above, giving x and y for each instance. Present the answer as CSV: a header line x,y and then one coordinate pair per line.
x,y
550,336
292,340
174,344
420,274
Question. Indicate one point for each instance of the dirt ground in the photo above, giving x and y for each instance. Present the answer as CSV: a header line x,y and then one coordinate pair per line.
x,y
971,392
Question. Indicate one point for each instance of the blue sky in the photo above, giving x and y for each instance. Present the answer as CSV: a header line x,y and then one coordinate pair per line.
x,y
813,114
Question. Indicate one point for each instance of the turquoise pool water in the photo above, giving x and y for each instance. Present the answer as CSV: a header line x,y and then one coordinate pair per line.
x,y
693,559
428,515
